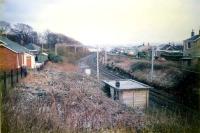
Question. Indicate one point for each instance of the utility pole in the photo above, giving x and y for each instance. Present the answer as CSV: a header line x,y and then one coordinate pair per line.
x,y
105,57
98,63
152,63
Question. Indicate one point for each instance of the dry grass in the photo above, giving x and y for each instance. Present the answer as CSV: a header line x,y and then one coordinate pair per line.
x,y
62,67
55,101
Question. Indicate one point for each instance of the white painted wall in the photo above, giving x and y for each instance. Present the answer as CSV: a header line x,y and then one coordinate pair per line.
x,y
33,65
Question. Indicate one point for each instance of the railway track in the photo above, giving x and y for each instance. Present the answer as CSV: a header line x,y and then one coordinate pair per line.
x,y
157,97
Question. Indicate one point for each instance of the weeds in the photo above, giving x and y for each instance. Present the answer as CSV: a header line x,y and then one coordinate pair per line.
x,y
52,101
162,120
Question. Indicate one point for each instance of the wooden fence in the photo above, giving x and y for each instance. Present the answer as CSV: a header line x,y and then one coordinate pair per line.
x,y
9,78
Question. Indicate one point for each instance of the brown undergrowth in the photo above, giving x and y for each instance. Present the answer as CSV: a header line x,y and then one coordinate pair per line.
x,y
53,100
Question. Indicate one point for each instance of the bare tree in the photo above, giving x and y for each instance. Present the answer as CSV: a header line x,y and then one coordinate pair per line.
x,y
24,32
4,27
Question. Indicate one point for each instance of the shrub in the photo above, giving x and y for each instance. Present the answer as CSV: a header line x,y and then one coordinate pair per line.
x,y
140,66
54,58
144,65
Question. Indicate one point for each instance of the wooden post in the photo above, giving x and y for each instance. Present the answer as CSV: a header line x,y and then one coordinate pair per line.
x,y
98,63
5,84
11,75
152,63
21,71
17,75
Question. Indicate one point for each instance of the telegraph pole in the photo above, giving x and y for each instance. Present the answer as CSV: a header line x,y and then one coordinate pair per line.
x,y
98,63
105,57
152,63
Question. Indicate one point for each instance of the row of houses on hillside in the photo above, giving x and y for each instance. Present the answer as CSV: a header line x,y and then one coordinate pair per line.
x,y
132,51
14,56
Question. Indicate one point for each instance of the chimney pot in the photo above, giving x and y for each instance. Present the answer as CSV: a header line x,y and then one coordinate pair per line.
x,y
117,84
192,33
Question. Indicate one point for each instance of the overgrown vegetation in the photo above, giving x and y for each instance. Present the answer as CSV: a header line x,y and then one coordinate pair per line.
x,y
146,65
70,55
54,58
162,120
54,101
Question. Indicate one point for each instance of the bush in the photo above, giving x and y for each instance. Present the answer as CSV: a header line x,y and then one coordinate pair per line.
x,y
140,66
144,65
54,58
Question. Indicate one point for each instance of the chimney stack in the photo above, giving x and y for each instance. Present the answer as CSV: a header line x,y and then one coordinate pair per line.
x,y
192,33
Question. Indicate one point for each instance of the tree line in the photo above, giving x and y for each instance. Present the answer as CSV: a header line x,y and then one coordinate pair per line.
x,y
25,34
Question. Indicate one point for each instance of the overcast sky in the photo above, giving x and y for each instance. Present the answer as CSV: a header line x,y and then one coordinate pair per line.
x,y
108,21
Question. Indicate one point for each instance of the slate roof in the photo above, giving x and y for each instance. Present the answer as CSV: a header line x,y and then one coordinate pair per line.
x,y
32,46
13,45
193,38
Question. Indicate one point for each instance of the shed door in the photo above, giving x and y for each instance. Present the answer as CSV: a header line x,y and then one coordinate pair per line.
x,y
28,61
140,99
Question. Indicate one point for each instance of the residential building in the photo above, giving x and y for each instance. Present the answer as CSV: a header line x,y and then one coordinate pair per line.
x,y
192,49
169,51
192,45
14,56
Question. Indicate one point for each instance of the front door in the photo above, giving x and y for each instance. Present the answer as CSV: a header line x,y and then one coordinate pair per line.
x,y
28,61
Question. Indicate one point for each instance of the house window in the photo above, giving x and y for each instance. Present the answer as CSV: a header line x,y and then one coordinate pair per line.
x,y
189,45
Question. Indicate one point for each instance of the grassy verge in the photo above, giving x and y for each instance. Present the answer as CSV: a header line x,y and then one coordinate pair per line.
x,y
165,121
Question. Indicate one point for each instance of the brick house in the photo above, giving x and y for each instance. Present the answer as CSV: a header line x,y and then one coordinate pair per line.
x,y
14,56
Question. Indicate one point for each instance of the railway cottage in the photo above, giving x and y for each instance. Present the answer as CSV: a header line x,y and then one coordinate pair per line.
x,y
129,92
14,56
191,50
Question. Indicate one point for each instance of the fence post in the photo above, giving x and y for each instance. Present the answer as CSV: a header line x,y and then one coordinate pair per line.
x,y
11,74
21,71
17,75
5,84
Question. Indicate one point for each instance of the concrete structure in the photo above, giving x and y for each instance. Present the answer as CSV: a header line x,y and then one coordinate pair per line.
x,y
129,92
